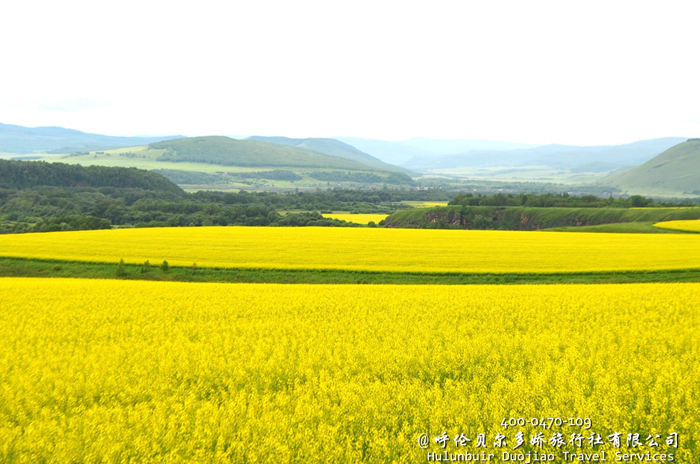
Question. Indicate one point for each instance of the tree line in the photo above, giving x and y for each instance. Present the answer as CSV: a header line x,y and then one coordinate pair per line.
x,y
559,200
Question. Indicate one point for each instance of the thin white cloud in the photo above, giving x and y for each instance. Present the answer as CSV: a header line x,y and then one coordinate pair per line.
x,y
72,105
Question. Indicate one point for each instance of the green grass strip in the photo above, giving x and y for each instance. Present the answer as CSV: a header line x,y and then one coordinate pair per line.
x,y
27,267
623,227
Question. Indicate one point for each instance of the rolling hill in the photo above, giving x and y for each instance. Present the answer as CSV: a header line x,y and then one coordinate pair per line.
x,y
20,139
220,162
226,151
332,147
676,170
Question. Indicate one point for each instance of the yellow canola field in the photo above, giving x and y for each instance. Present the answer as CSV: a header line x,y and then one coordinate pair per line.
x,y
356,218
692,225
417,250
129,371
425,204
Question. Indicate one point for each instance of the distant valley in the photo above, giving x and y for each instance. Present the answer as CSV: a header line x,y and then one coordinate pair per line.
x,y
283,163
256,163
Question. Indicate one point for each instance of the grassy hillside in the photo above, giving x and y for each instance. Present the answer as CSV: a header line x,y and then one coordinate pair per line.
x,y
194,165
231,152
529,218
620,227
332,147
676,170
20,139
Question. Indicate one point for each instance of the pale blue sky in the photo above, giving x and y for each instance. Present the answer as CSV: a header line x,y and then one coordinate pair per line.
x,y
590,72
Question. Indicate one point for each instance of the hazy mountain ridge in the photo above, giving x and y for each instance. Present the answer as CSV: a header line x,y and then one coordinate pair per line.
x,y
595,158
51,139
399,152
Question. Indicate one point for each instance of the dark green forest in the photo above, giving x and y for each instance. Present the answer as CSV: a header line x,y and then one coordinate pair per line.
x,y
24,174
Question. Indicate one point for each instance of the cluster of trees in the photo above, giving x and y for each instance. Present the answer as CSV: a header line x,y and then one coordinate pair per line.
x,y
75,222
274,174
392,178
203,178
384,201
555,200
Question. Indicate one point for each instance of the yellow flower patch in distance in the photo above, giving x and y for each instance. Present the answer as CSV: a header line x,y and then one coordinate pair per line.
x,y
356,218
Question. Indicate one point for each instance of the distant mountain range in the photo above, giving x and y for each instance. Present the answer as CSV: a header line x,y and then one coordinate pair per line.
x,y
417,154
675,170
20,139
317,162
577,158
464,156
401,152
